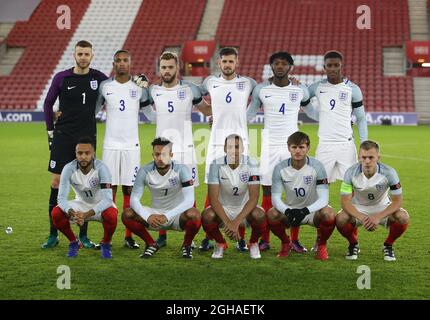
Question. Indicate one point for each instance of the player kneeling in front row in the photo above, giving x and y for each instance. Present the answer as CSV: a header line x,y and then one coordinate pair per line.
x,y
365,201
172,193
304,181
91,181
233,188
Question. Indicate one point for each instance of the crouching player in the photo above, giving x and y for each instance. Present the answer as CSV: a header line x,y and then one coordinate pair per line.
x,y
172,193
304,181
365,201
233,188
91,181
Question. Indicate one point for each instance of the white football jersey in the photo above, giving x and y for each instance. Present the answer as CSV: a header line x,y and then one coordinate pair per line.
x,y
335,104
91,188
233,183
123,101
173,113
229,100
299,185
371,191
281,109
166,191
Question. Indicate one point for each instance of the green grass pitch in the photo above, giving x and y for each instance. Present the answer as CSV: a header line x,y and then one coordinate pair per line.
x,y
28,272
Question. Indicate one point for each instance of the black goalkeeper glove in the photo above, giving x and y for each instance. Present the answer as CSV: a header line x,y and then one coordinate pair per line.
x,y
296,216
141,80
50,138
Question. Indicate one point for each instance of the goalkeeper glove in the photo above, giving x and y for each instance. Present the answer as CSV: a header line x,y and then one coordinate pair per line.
x,y
50,138
141,80
296,216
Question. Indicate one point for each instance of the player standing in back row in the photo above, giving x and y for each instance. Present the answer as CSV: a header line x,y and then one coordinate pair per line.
x,y
121,148
337,97
77,90
173,101
229,94
281,100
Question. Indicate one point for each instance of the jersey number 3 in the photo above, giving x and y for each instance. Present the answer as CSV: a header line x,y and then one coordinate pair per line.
x,y
122,105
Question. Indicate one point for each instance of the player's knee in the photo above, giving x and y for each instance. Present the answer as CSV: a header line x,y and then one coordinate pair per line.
x,y
57,215
273,215
128,214
208,216
193,214
401,216
342,218
110,215
258,215
327,214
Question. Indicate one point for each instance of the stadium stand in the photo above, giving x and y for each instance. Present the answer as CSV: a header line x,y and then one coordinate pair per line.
x,y
258,28
161,24
261,28
44,44
105,26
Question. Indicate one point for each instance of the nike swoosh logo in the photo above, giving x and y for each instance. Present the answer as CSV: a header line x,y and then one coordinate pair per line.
x,y
215,87
267,96
70,88
222,178
159,94
286,181
323,91
109,93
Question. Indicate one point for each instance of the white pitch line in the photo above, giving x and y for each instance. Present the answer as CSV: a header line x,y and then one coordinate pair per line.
x,y
404,158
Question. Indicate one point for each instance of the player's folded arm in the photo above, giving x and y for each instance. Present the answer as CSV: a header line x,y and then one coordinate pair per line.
x,y
187,203
64,188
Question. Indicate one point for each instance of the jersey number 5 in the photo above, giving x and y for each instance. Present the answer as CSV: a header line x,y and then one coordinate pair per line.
x,y
170,106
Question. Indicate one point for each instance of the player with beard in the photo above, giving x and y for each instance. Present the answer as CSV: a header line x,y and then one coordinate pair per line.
x,y
229,94
173,100
90,180
172,197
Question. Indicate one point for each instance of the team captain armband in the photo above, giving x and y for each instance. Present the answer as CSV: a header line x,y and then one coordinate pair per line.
x,y
322,181
187,183
254,178
356,104
397,186
345,188
105,186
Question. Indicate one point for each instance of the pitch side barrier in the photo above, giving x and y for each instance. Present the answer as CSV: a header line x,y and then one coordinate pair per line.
x,y
373,118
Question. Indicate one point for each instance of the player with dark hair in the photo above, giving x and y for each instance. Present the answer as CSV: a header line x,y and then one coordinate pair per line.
x,y
77,90
281,100
229,94
365,201
172,193
233,188
337,98
304,181
173,100
91,182
121,148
